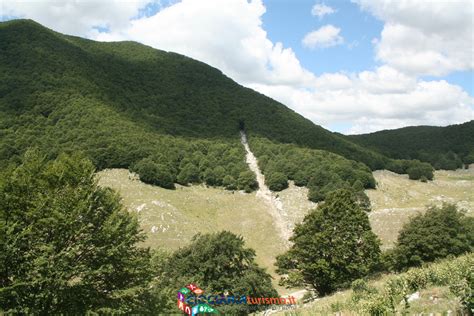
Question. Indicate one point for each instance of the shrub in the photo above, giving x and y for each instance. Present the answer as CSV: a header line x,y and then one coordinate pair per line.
x,y
247,181
153,173
276,181
440,232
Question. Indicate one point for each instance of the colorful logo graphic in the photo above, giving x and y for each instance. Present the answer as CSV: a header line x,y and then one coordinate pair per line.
x,y
201,308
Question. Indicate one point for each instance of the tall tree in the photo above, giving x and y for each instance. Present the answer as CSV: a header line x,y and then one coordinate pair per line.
x,y
333,246
67,245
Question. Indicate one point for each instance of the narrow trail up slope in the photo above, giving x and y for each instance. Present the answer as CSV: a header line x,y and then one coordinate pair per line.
x,y
275,206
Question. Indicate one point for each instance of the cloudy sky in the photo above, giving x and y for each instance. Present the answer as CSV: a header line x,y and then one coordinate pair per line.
x,y
351,66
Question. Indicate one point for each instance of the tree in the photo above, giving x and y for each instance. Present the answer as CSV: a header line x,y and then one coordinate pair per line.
x,y
419,169
333,246
276,181
229,182
189,174
67,245
219,263
247,181
440,232
154,173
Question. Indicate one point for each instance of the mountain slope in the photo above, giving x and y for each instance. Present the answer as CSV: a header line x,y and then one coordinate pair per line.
x,y
53,83
443,147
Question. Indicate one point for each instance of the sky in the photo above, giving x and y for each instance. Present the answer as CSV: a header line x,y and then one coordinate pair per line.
x,y
352,66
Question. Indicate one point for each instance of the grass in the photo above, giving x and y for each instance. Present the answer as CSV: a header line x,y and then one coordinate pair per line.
x,y
397,198
171,217
438,296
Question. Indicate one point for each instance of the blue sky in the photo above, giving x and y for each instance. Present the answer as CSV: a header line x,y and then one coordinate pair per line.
x,y
289,23
357,66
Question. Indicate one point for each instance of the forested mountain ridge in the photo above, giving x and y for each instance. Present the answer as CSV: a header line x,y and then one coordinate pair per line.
x,y
444,147
109,99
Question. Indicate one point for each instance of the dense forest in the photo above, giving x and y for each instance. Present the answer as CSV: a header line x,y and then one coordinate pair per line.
x,y
320,171
61,93
443,147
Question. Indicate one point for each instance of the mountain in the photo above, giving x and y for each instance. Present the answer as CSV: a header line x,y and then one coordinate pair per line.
x,y
444,147
63,92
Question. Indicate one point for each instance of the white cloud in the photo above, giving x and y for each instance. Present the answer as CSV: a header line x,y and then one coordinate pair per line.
x,y
229,35
320,10
373,100
325,36
421,38
76,17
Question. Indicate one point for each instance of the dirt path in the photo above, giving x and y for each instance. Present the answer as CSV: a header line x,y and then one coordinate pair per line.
x,y
275,208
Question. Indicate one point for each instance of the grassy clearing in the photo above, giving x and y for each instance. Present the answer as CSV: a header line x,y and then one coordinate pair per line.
x,y
397,198
171,217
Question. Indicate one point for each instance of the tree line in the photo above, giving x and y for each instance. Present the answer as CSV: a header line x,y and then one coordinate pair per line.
x,y
69,246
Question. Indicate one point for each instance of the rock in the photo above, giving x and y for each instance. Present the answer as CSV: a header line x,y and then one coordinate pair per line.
x,y
413,297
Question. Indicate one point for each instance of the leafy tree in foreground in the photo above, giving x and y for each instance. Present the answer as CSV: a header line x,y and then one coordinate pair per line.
x,y
218,263
332,247
440,232
67,245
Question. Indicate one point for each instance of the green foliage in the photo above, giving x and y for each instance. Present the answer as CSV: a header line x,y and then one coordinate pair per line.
x,y
392,297
415,169
440,232
123,102
154,173
247,181
443,147
276,181
332,247
218,263
320,171
67,245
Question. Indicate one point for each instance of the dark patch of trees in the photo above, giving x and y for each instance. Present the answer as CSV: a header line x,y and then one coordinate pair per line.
x,y
415,169
443,147
116,101
322,172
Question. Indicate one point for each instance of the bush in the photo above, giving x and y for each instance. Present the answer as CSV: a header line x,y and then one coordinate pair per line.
x,y
229,182
189,174
276,181
440,232
417,170
247,181
153,173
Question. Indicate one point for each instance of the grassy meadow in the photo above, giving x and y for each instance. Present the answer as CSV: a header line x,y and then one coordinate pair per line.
x,y
171,217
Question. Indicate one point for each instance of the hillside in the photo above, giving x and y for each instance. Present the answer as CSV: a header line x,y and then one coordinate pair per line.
x,y
171,217
444,147
112,100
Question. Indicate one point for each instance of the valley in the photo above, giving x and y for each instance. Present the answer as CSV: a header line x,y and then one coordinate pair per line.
x,y
171,217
